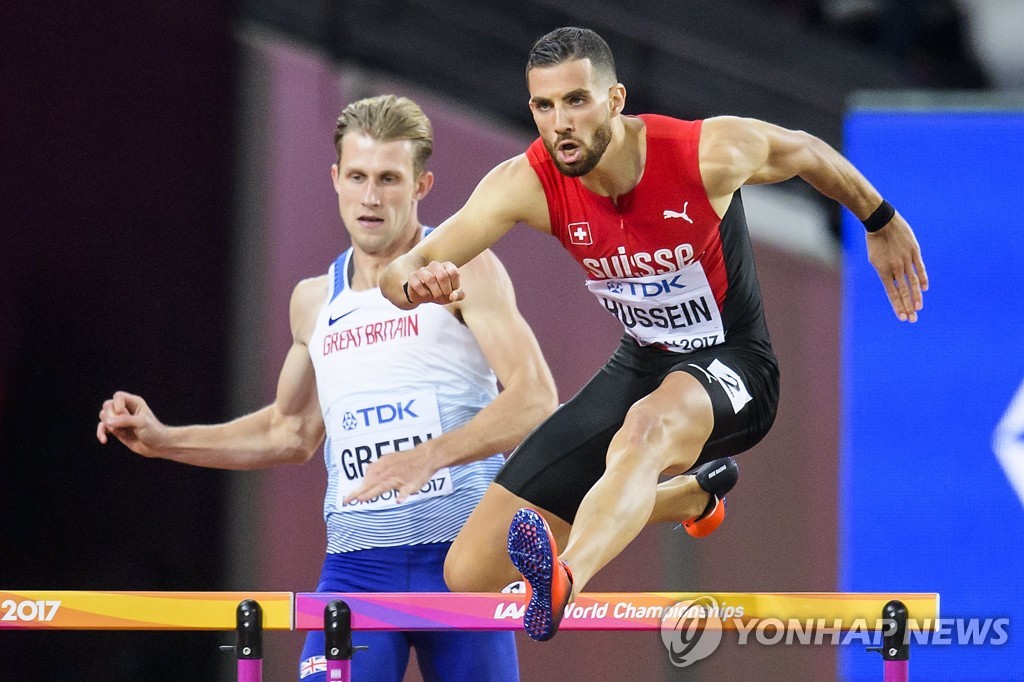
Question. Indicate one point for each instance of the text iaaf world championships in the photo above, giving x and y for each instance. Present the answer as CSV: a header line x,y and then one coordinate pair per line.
x,y
505,610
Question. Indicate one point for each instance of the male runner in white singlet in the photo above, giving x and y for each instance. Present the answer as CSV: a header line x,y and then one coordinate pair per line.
x,y
650,207
408,403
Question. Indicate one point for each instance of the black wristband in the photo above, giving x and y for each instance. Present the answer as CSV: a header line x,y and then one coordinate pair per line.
x,y
405,290
880,217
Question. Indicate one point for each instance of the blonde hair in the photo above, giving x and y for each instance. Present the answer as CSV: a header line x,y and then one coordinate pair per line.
x,y
386,118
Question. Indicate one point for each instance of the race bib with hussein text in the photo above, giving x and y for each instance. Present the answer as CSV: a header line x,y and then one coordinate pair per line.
x,y
677,309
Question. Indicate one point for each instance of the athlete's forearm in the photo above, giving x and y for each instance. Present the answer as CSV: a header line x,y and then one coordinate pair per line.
x,y
262,439
499,427
836,177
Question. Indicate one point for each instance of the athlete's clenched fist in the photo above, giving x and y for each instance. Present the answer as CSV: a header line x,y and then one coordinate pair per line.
x,y
434,283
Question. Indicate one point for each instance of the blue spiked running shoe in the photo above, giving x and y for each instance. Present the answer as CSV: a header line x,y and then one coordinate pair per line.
x,y
548,580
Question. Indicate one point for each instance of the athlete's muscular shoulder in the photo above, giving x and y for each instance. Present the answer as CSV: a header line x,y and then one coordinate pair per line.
x,y
737,151
516,193
733,152
307,299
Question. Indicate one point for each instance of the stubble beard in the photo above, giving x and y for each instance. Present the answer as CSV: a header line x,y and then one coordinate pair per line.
x,y
590,155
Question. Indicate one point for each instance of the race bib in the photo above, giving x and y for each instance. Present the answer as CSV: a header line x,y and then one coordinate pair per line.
x,y
677,309
363,432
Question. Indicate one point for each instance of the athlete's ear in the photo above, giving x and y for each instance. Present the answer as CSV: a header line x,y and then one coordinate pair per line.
x,y
334,176
617,98
423,184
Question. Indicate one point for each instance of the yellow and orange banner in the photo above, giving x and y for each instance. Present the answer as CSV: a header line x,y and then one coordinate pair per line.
x,y
617,611
92,610
97,610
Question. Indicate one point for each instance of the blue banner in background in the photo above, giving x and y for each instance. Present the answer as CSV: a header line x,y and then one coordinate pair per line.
x,y
932,445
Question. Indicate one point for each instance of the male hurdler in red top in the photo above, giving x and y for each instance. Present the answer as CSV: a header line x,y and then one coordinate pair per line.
x,y
651,208
659,257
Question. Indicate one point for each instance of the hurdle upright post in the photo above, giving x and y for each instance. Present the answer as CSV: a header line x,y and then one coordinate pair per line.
x,y
250,641
895,643
338,641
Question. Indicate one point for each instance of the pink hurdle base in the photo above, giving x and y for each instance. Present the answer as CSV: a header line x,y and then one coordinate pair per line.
x,y
250,670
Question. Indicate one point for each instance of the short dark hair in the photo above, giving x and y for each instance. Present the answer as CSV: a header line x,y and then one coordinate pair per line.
x,y
570,43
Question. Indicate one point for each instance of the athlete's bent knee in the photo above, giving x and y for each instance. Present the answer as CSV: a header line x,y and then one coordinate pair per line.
x,y
461,574
652,435
641,427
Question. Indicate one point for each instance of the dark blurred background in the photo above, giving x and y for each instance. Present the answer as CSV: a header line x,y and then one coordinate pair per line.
x,y
125,203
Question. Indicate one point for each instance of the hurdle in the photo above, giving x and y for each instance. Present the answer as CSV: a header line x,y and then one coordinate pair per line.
x,y
248,613
339,614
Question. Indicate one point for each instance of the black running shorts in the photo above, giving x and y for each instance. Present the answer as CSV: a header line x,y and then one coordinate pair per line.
x,y
561,460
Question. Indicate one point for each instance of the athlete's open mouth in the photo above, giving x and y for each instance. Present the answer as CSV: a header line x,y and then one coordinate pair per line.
x,y
370,221
569,151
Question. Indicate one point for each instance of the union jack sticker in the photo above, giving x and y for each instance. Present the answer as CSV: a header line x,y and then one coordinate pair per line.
x,y
313,664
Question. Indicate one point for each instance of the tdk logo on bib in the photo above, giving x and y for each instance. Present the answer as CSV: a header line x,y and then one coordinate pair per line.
x,y
378,415
373,426
647,289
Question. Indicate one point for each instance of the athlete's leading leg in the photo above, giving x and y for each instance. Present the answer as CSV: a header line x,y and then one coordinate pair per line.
x,y
666,429
692,415
478,562
561,462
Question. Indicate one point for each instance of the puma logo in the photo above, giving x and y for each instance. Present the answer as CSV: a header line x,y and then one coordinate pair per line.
x,y
679,214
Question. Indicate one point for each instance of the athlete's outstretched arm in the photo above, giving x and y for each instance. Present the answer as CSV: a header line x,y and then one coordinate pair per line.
x,y
429,273
528,394
287,431
738,151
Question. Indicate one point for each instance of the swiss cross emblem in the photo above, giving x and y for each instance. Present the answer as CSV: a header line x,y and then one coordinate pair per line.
x,y
579,233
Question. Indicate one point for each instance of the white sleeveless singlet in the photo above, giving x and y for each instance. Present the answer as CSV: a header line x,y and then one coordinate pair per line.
x,y
388,379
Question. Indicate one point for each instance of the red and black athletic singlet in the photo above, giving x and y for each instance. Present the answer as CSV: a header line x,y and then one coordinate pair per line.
x,y
661,260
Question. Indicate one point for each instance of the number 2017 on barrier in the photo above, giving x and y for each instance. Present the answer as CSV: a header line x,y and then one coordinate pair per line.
x,y
39,610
